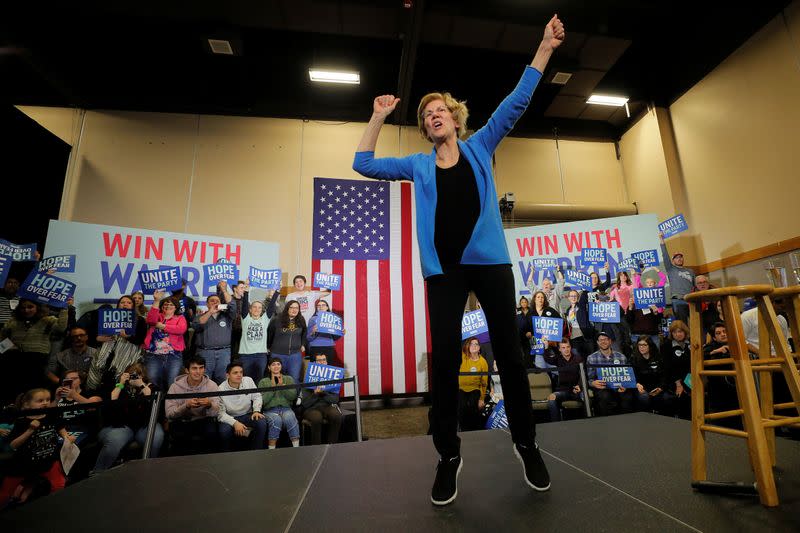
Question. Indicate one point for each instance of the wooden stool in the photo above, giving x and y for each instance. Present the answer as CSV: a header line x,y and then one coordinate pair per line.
x,y
759,421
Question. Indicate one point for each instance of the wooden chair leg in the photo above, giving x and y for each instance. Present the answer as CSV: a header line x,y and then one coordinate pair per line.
x,y
699,463
766,395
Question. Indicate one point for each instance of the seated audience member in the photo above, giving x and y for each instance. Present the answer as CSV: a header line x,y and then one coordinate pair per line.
x,y
8,300
320,405
240,414
277,405
569,383
253,342
750,328
78,356
83,424
608,400
164,343
193,421
472,389
128,417
677,355
319,342
576,317
652,382
307,299
212,332
35,467
721,390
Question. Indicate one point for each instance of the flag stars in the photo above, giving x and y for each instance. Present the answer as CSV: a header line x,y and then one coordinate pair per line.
x,y
330,206
321,224
380,237
380,226
338,187
330,217
336,250
345,193
321,211
323,187
336,224
380,201
360,195
380,250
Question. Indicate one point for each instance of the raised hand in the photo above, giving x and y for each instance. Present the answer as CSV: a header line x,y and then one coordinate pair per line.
x,y
383,105
554,33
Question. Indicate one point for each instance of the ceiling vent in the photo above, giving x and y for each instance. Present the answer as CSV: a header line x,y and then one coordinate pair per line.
x,y
561,78
219,46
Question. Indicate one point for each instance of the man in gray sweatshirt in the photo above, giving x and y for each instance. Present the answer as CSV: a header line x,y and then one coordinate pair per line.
x,y
681,282
213,330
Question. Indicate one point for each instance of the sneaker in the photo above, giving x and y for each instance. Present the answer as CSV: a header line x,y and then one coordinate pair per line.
x,y
445,486
533,467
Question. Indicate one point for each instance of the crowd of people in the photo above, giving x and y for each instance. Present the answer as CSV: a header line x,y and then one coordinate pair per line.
x,y
105,385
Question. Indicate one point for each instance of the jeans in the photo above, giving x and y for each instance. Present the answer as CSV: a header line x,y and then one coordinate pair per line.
x,y
216,362
257,434
163,369
291,364
447,293
610,401
254,365
114,441
664,402
282,417
554,406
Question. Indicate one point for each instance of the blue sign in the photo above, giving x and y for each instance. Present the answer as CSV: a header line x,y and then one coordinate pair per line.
x,y
112,321
265,279
593,256
498,418
327,281
673,226
163,279
545,327
316,372
617,376
58,263
606,312
328,322
216,272
578,279
44,288
648,257
5,266
644,298
473,324
545,262
631,263
18,252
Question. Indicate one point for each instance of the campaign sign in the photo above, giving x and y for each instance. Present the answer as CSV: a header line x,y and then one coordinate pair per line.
x,y
473,324
164,279
316,372
578,279
644,298
58,263
327,281
648,257
44,288
498,418
5,266
265,279
18,252
606,312
617,376
673,226
216,272
545,262
329,323
630,263
593,256
112,321
545,326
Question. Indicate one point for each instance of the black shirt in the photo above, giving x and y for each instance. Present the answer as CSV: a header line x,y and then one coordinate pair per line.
x,y
457,210
38,453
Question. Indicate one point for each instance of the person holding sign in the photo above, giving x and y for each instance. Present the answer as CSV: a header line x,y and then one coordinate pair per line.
x,y
576,318
472,389
140,330
213,330
318,342
462,248
253,345
286,338
644,321
652,383
540,307
277,405
320,405
164,343
681,281
608,400
305,298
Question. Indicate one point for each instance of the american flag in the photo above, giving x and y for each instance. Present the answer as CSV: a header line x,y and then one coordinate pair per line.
x,y
365,232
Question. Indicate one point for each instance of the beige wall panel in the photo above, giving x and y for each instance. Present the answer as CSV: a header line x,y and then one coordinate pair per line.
x,y
133,169
529,169
592,174
62,122
737,134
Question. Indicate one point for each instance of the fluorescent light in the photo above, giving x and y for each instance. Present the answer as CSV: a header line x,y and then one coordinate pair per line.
x,y
602,99
334,76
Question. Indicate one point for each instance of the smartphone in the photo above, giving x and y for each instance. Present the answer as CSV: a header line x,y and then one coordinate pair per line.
x,y
67,383
222,307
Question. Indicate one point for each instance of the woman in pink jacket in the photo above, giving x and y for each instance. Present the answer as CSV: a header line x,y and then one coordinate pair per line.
x,y
164,344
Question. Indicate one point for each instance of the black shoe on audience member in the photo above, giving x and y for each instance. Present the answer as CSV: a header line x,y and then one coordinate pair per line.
x,y
533,467
445,486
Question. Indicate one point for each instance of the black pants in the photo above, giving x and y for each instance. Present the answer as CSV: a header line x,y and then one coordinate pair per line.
x,y
611,401
447,294
190,437
469,416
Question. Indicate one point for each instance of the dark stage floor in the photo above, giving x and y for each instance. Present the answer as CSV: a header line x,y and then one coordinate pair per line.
x,y
629,473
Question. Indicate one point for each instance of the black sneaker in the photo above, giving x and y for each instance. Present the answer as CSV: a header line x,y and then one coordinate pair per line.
x,y
445,486
533,467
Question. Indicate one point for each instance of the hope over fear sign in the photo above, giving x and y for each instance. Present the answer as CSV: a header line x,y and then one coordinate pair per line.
x,y
112,321
44,288
473,324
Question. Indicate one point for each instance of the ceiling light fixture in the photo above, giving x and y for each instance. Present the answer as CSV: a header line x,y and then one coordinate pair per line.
x,y
602,99
334,76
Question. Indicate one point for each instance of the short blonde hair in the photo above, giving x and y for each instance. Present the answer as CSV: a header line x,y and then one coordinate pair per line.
x,y
456,107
